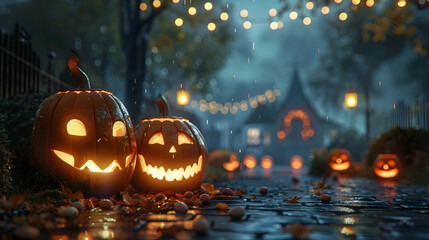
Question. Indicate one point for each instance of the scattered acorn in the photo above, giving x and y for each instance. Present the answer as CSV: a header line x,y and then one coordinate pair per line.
x,y
105,204
294,179
70,212
325,198
189,194
27,232
205,198
201,226
79,205
236,212
227,191
263,190
180,207
160,197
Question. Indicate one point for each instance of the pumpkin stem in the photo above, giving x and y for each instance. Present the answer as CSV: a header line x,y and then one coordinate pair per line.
x,y
164,110
81,77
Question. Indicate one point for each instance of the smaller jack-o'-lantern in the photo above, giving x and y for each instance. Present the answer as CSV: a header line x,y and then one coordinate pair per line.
x,y
387,166
85,138
296,162
172,154
340,160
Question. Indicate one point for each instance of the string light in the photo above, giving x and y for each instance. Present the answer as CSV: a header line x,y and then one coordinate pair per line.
x,y
306,21
356,2
175,1
309,5
247,25
143,6
402,3
213,107
244,13
156,3
293,15
325,10
370,3
279,24
274,25
192,11
224,16
272,12
178,22
211,26
338,1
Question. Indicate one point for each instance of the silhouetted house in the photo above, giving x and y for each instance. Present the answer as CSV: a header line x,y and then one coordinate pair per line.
x,y
283,130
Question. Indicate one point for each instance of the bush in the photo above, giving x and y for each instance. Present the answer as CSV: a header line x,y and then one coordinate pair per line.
x,y
412,147
319,163
6,161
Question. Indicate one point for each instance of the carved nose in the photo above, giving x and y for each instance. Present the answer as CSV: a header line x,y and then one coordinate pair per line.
x,y
172,149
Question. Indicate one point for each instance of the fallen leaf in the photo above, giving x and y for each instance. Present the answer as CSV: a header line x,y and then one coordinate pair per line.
x,y
240,192
293,200
222,206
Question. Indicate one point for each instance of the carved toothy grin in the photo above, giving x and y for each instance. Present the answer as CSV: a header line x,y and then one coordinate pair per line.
x,y
340,165
171,174
90,164
386,173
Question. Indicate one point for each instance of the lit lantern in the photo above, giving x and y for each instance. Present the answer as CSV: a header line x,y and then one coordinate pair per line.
x,y
351,99
296,162
85,138
233,163
172,154
387,166
267,162
249,161
224,158
340,160
182,97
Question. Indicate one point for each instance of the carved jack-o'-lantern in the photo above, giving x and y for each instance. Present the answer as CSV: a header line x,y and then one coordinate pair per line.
x,y
172,154
340,160
85,138
250,161
387,166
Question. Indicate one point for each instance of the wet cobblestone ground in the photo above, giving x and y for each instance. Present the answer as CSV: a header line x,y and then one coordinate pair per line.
x,y
360,209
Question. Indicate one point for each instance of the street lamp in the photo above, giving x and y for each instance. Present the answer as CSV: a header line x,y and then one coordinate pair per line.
x,y
351,98
182,97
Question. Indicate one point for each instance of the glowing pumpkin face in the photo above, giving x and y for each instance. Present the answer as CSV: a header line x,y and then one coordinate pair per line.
x,y
387,166
340,160
172,155
85,138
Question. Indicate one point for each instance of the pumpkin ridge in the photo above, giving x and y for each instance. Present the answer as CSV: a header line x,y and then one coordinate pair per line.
x,y
113,120
195,137
51,116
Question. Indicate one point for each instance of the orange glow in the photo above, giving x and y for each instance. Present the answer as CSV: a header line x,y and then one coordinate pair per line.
x,y
184,139
351,99
143,6
87,91
341,166
356,2
402,3
266,162
281,134
119,129
342,16
296,162
157,138
156,3
249,161
370,3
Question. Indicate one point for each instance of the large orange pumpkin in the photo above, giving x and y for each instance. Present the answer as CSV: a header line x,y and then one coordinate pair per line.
x,y
85,138
172,154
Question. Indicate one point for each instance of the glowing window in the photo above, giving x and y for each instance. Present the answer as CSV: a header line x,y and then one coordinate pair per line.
x,y
253,136
119,129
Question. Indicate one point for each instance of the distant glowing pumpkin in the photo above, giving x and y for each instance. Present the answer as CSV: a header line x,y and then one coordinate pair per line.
x,y
85,138
267,162
172,154
340,160
250,161
296,162
387,166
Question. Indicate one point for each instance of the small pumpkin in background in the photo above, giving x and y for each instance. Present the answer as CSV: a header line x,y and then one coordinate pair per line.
x,y
84,138
387,166
340,160
172,154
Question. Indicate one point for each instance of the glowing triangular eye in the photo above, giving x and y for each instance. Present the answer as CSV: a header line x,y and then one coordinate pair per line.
x,y
119,129
184,139
76,127
157,138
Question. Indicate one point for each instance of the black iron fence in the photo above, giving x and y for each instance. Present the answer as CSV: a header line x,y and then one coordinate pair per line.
x,y
411,115
20,70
